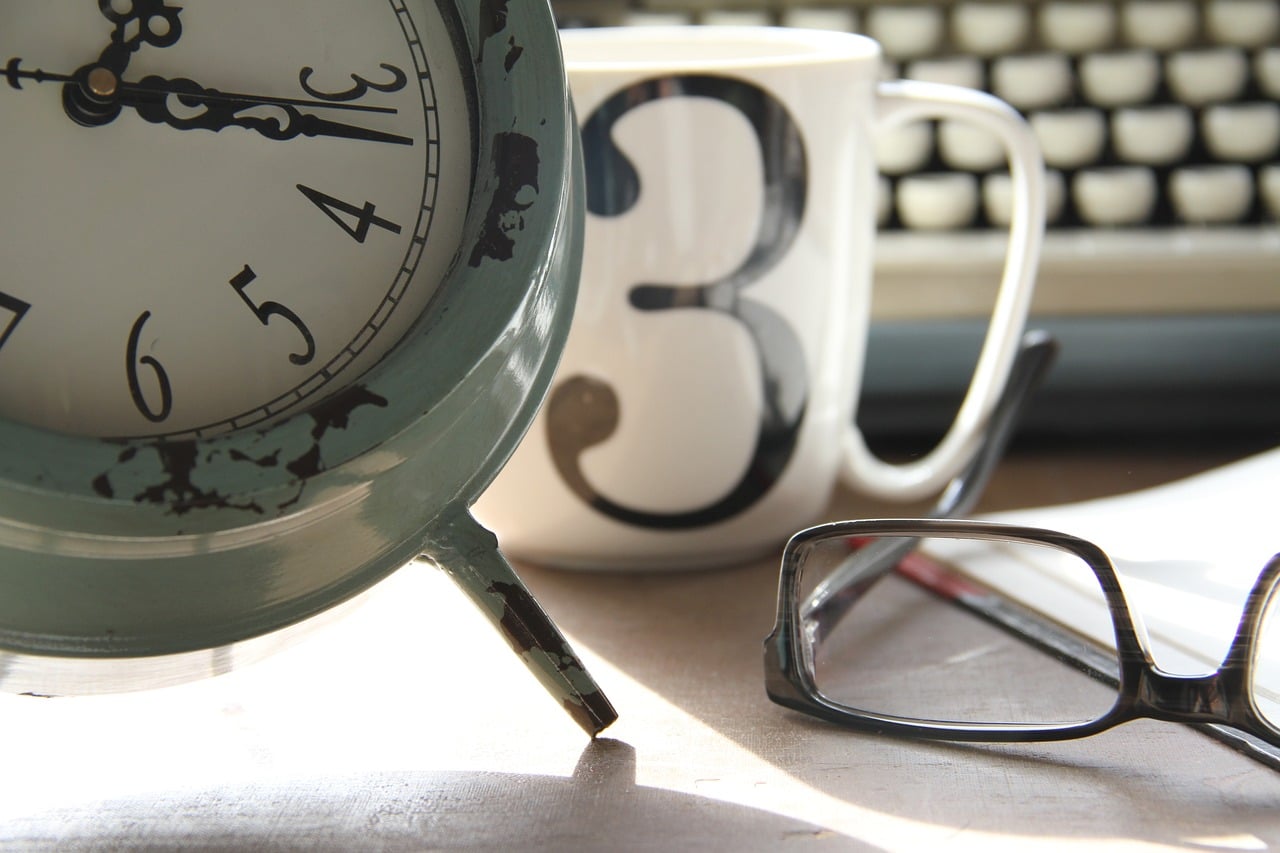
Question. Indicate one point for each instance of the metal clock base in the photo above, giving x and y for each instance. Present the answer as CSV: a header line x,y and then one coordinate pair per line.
x,y
143,562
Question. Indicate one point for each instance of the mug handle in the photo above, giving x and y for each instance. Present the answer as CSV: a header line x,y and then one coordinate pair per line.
x,y
902,101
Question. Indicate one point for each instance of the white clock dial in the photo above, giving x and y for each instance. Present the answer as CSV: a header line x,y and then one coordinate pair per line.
x,y
207,225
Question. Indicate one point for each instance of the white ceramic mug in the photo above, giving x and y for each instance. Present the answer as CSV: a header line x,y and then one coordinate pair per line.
x,y
704,406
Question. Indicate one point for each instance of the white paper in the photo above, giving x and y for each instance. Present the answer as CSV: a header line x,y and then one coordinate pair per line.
x,y
1187,553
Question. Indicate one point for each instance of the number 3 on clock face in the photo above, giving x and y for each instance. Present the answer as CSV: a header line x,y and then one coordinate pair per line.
x,y
207,227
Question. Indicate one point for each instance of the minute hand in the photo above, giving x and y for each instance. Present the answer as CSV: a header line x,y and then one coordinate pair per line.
x,y
155,98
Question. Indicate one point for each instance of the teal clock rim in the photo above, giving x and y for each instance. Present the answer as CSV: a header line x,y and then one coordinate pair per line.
x,y
492,339
34,462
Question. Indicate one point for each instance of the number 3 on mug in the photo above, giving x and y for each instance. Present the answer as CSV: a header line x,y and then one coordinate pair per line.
x,y
613,188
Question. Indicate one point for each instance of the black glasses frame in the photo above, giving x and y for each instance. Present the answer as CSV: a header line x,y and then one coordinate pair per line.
x,y
1143,691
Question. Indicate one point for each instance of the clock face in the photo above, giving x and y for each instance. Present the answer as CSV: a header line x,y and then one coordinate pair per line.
x,y
217,212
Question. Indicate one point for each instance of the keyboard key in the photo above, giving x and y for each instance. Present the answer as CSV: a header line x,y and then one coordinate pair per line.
x,y
736,18
820,18
1269,184
906,31
1077,27
997,197
656,19
1153,136
1212,195
1121,195
990,29
1032,82
940,201
1070,139
956,71
884,201
1266,68
968,147
904,149
1200,77
1119,79
1247,23
1159,24
1242,133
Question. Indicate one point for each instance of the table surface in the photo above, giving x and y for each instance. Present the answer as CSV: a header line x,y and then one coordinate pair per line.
x,y
369,735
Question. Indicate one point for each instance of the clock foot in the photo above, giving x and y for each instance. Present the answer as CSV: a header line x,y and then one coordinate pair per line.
x,y
470,555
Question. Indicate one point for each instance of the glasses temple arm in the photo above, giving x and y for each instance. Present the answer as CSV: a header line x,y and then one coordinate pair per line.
x,y
837,593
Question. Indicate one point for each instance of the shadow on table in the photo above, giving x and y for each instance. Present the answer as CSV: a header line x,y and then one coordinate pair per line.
x,y
696,640
599,807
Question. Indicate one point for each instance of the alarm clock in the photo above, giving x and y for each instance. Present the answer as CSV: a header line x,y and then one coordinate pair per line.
x,y
281,287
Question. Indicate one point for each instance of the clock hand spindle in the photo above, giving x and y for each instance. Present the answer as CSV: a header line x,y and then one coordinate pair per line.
x,y
150,22
87,95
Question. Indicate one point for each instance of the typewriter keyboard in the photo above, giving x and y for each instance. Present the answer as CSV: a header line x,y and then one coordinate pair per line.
x,y
1159,121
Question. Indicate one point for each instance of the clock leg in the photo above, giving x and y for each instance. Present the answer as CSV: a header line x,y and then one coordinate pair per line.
x,y
470,555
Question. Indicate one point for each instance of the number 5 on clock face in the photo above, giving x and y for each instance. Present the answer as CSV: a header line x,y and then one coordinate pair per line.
x,y
206,227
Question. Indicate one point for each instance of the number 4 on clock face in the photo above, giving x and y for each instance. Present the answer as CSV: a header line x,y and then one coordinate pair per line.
x,y
357,220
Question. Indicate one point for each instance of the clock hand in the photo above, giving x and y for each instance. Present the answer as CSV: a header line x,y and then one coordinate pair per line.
x,y
155,21
15,75
150,22
94,96
154,98
87,95
104,83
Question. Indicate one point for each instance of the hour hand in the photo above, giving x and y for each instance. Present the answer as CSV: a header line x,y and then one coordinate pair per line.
x,y
186,105
152,22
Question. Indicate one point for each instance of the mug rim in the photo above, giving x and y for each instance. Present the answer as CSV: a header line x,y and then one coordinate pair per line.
x,y
704,47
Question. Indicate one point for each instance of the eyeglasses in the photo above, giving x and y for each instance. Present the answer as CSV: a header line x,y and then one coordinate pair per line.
x,y
863,645
876,629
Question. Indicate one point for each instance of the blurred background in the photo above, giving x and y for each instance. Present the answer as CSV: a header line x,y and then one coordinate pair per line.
x,y
1160,125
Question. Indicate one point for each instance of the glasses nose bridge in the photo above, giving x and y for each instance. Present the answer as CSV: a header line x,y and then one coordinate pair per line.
x,y
1188,698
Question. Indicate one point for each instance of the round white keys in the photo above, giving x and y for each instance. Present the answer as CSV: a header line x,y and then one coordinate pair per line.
x,y
1070,139
1248,23
905,148
1124,195
820,18
1077,27
1159,24
990,29
997,197
1266,68
1242,133
965,146
1119,79
1211,194
1032,82
905,31
1155,136
954,71
1269,186
1199,77
938,201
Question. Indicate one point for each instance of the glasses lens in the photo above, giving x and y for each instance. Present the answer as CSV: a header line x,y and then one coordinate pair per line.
x,y
948,637
1266,663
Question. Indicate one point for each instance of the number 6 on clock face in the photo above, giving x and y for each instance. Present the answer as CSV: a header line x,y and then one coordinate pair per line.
x,y
208,227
